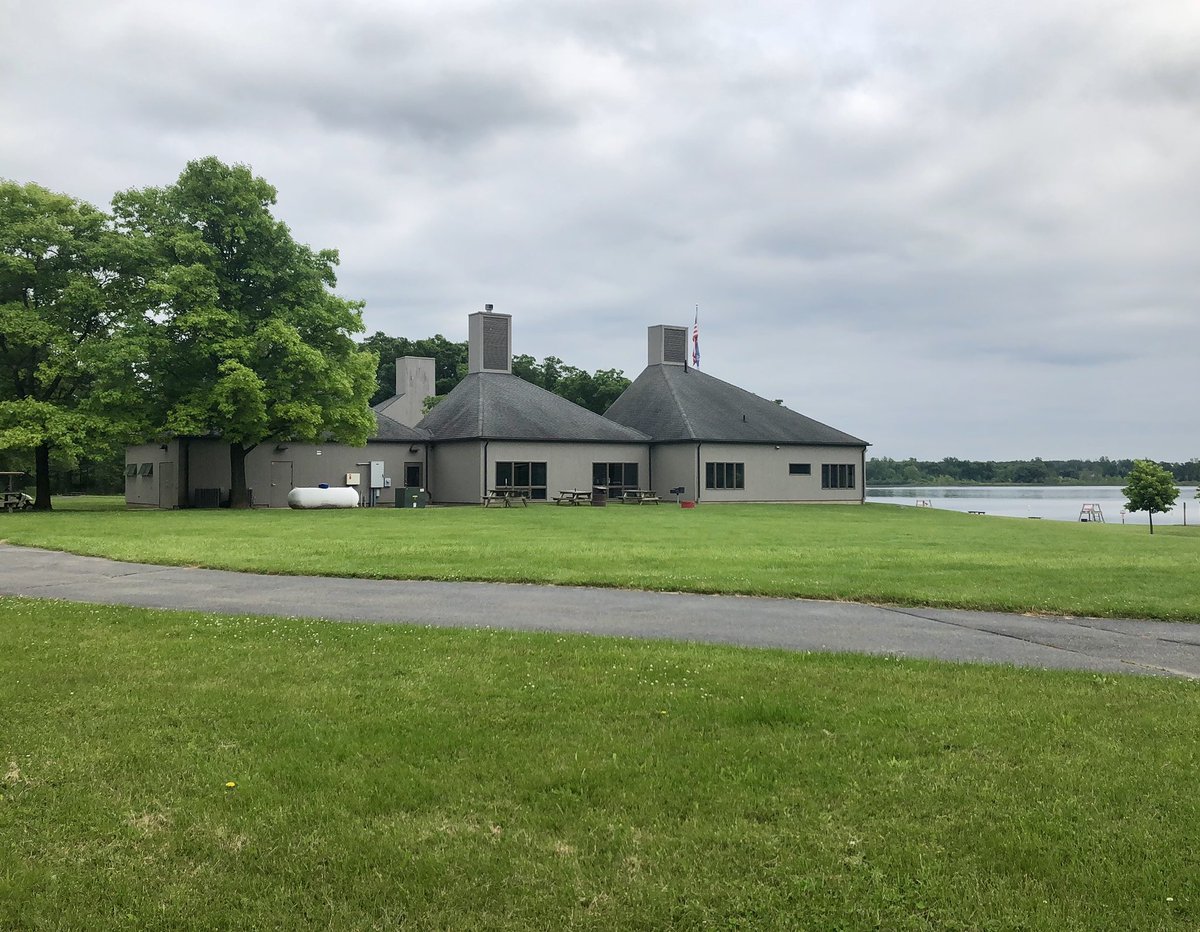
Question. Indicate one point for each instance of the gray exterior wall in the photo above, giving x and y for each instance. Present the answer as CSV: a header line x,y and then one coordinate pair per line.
x,y
161,488
569,465
463,470
296,465
457,473
766,471
674,466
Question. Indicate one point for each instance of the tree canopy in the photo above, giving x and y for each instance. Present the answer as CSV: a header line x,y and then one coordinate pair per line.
x,y
1151,489
64,360
595,391
244,338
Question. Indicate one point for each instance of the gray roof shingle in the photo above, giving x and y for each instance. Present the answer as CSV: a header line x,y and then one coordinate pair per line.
x,y
387,429
676,403
500,406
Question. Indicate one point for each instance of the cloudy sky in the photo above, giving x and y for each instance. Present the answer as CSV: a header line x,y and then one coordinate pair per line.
x,y
951,228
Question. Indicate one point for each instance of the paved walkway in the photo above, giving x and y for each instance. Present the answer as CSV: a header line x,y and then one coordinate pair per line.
x,y
1103,645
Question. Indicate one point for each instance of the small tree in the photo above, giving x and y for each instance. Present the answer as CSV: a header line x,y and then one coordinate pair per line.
x,y
1151,489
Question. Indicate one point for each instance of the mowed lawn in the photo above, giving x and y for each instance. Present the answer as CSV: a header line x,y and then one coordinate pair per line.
x,y
398,777
873,553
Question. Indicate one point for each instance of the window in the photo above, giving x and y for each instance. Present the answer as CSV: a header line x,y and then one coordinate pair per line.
x,y
724,475
131,469
529,477
799,469
616,476
837,476
146,470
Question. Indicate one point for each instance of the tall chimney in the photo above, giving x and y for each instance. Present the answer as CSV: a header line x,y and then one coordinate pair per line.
x,y
668,345
489,342
414,383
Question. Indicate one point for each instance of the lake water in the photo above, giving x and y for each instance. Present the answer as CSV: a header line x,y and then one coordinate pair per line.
x,y
1050,502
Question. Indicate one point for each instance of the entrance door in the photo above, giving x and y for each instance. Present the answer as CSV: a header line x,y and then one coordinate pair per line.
x,y
412,476
168,487
281,482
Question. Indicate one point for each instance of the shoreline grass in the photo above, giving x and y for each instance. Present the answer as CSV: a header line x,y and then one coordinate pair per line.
x,y
872,553
392,776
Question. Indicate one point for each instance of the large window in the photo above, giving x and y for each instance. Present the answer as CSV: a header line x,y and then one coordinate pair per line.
x,y
724,475
528,477
616,476
837,476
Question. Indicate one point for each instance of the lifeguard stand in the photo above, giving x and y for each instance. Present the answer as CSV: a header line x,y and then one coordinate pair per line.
x,y
1091,512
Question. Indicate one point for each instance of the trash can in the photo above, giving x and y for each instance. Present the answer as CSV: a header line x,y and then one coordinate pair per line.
x,y
599,495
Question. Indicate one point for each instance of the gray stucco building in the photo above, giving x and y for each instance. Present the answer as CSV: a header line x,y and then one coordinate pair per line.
x,y
674,427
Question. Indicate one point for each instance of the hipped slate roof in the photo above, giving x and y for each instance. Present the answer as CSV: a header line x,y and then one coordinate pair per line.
x,y
675,403
500,406
387,429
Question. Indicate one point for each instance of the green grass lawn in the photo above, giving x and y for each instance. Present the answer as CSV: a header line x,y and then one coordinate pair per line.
x,y
874,553
391,776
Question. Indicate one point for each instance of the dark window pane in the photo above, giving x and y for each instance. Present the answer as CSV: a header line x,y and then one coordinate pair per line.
x,y
504,474
537,473
631,471
538,493
800,469
739,475
850,476
520,474
599,474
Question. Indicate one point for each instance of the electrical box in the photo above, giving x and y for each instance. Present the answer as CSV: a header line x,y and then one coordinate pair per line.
x,y
353,478
387,482
377,474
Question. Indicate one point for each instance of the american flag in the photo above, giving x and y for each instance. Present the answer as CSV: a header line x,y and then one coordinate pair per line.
x,y
696,341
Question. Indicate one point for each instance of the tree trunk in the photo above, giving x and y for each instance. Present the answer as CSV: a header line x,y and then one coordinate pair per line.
x,y
1151,513
239,495
41,500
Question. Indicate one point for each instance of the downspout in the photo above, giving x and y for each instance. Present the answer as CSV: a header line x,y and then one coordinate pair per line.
x,y
483,492
698,446
428,486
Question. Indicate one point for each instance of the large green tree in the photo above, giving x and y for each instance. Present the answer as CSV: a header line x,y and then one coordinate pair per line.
x,y
246,339
1151,489
65,335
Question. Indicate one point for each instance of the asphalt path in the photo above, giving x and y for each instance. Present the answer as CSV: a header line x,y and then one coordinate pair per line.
x,y
1101,645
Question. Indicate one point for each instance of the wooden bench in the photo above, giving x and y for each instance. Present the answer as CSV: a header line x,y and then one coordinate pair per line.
x,y
572,497
639,497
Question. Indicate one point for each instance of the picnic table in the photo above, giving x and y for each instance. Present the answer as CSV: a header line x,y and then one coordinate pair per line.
x,y
507,495
639,497
573,497
12,499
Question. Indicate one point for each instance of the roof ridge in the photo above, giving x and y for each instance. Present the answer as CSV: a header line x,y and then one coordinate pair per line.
x,y
687,421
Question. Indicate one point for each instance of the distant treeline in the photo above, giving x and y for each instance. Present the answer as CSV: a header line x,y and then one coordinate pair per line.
x,y
594,391
950,471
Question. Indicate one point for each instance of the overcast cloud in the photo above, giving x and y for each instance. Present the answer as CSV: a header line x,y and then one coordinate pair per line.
x,y
951,228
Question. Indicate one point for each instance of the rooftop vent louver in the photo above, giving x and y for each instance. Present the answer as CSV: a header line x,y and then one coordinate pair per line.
x,y
495,343
675,345
489,341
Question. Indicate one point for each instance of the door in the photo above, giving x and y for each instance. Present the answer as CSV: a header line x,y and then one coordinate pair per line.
x,y
412,476
281,482
168,487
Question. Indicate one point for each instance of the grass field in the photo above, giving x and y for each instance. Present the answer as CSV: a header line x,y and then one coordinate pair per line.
x,y
392,777
874,553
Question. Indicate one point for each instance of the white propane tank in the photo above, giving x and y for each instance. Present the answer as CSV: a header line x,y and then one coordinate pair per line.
x,y
323,498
